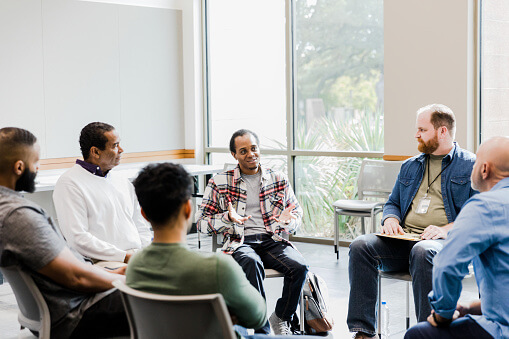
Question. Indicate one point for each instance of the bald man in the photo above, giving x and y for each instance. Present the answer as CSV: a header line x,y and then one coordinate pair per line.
x,y
480,234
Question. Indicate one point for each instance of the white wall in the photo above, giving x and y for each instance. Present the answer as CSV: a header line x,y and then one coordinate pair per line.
x,y
429,58
136,65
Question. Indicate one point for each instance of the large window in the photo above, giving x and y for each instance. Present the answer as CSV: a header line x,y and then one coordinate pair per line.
x,y
246,58
307,76
494,68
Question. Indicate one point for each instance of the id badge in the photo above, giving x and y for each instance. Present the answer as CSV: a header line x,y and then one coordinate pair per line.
x,y
422,207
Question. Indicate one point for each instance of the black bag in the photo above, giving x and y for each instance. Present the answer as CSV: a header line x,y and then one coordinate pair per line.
x,y
317,319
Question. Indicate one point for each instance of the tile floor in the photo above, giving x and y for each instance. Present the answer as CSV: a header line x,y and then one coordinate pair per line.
x,y
322,261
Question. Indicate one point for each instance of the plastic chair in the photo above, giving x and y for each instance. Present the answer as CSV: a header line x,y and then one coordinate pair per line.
x,y
227,166
155,316
376,180
403,276
33,310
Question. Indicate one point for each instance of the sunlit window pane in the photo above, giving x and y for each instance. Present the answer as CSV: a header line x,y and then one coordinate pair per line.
x,y
339,75
319,181
494,68
247,70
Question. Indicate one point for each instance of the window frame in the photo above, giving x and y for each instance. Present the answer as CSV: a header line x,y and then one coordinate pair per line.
x,y
290,152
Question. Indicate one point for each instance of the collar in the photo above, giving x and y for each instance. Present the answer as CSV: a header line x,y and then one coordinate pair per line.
x,y
236,173
501,184
447,158
8,191
94,169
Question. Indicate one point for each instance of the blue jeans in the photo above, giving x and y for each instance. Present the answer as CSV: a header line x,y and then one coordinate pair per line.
x,y
260,251
461,328
368,253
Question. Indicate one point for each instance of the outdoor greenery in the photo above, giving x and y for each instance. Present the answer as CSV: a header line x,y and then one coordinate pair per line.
x,y
339,103
319,181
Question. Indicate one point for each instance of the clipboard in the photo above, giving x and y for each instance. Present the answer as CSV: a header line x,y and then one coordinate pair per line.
x,y
406,236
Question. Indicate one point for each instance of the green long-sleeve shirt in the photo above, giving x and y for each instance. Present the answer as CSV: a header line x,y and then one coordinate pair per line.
x,y
173,269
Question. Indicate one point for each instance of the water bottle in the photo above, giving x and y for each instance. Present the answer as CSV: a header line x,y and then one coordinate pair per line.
x,y
384,321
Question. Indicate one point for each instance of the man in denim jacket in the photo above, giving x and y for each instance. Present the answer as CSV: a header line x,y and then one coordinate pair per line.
x,y
430,190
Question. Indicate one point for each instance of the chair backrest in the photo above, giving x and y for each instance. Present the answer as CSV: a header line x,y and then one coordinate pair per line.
x,y
229,166
33,310
155,316
377,178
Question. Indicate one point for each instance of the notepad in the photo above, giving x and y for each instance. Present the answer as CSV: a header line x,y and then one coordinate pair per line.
x,y
406,236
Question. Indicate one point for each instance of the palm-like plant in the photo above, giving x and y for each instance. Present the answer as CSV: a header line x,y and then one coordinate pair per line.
x,y
322,180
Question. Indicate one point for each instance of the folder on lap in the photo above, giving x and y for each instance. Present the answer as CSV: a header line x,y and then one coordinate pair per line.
x,y
406,236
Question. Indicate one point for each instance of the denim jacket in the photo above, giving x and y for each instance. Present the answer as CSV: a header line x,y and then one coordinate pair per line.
x,y
455,181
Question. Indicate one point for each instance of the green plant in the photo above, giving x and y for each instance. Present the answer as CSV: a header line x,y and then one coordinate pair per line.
x,y
319,181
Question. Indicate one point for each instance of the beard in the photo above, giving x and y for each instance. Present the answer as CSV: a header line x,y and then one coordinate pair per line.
x,y
26,181
476,181
428,147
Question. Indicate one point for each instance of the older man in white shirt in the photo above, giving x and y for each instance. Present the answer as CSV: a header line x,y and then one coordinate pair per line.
x,y
97,210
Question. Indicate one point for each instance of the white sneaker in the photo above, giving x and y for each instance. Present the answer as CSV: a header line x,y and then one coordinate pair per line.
x,y
280,327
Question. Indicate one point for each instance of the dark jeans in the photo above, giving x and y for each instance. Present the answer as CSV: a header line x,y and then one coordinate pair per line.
x,y
368,253
106,318
461,328
260,251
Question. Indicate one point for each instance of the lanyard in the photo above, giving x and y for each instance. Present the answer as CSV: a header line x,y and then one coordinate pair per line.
x,y
439,174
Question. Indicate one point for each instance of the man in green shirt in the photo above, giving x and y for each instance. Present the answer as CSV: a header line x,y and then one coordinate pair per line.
x,y
167,266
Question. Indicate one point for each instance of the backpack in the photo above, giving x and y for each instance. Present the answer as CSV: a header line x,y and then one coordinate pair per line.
x,y
316,305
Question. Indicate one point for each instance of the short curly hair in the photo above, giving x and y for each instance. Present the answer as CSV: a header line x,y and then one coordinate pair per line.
x,y
240,133
93,135
161,190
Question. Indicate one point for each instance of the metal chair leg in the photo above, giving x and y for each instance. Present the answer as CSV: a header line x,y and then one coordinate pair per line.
x,y
302,313
408,305
199,239
336,236
379,304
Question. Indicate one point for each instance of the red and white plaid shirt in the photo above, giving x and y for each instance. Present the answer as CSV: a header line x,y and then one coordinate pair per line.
x,y
276,194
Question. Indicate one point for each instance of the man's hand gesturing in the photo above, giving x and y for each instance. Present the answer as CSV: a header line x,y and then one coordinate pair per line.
x,y
286,216
234,216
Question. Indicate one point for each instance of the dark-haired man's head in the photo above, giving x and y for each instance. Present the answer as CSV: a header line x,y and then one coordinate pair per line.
x,y
244,146
164,192
19,159
100,145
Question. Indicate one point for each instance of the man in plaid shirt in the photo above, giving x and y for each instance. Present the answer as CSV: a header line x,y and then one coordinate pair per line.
x,y
252,207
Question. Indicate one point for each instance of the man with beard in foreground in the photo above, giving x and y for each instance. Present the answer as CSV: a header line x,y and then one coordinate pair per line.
x,y
430,190
80,297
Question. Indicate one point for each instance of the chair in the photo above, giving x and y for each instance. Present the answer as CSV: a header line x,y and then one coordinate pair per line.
x,y
376,180
227,166
404,276
33,310
155,316
269,273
